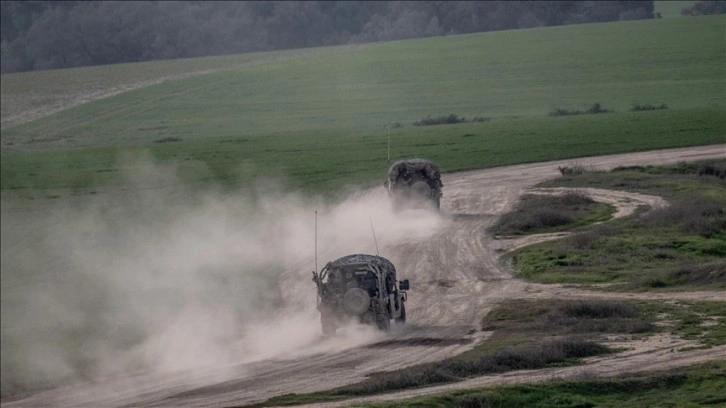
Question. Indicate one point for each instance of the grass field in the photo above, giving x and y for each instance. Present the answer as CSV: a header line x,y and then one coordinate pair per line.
x,y
680,246
316,118
695,386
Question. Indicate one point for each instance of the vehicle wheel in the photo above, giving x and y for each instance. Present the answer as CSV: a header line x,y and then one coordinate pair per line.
x,y
420,190
402,320
328,326
437,203
385,323
356,301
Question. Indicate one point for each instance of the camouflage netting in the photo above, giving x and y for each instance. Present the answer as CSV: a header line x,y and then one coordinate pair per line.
x,y
383,264
411,166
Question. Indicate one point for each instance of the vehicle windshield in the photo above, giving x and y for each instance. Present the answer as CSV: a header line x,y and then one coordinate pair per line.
x,y
346,274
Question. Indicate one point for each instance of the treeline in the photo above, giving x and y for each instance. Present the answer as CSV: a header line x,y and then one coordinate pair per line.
x,y
60,34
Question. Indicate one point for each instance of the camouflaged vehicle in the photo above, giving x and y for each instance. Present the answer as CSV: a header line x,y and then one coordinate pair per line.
x,y
413,183
363,288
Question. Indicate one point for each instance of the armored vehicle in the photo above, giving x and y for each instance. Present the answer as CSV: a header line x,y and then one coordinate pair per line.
x,y
413,182
361,287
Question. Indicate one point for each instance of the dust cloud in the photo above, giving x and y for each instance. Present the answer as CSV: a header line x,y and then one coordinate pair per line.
x,y
162,278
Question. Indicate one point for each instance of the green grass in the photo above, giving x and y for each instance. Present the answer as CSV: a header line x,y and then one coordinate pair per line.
x,y
525,333
682,245
500,74
702,321
320,162
695,386
541,213
28,91
316,117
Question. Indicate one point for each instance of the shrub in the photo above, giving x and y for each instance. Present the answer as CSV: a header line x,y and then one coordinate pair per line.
x,y
168,139
638,107
533,219
588,239
692,216
597,108
573,170
441,120
687,273
448,120
542,212
600,309
593,109
573,198
564,112
712,169
630,168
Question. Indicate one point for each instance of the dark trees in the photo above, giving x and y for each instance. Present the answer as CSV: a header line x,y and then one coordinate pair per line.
x,y
59,34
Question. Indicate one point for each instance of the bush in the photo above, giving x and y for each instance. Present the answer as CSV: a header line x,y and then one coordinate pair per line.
x,y
688,273
712,169
593,109
638,107
532,219
168,139
545,213
572,198
600,309
448,120
693,216
564,112
573,170
597,108
441,120
588,239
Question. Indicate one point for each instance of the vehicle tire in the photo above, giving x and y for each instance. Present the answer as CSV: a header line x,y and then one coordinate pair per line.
x,y
328,326
356,301
420,190
437,203
385,323
402,320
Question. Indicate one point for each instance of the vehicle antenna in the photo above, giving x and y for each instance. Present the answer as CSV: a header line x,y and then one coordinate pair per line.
x,y
316,240
374,235
388,125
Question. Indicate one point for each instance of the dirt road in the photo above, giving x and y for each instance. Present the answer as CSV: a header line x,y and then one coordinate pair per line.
x,y
455,280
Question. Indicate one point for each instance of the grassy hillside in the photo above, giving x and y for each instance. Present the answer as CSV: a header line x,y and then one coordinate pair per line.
x,y
318,118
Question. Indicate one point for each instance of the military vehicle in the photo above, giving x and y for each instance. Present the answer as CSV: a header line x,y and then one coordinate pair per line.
x,y
414,183
360,287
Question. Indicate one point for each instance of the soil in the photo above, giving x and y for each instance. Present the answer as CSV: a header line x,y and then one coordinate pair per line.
x,y
456,278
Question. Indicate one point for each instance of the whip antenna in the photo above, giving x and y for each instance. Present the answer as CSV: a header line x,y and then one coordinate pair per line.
x,y
388,125
316,240
374,235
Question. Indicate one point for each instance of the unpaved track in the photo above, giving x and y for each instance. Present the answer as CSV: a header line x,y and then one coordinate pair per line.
x,y
456,279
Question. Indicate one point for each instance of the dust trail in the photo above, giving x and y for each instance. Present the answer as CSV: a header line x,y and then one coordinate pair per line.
x,y
161,278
